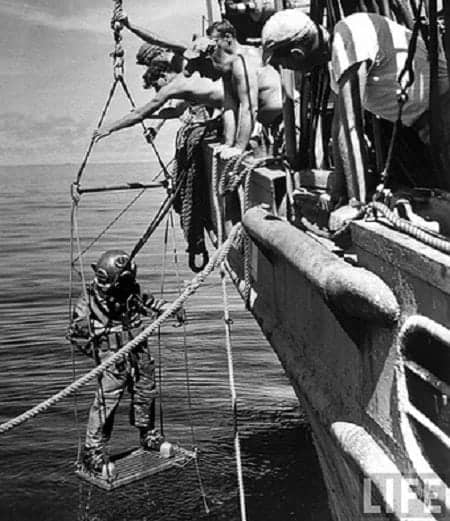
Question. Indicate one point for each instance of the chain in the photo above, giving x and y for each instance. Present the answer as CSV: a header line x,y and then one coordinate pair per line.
x,y
118,54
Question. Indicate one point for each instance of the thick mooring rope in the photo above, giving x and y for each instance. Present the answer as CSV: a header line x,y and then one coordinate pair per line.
x,y
218,257
409,228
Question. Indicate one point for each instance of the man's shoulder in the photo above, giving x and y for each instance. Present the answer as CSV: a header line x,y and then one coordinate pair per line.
x,y
251,55
245,64
360,22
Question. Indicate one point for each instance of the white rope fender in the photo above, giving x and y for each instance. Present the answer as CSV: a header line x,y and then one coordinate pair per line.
x,y
195,283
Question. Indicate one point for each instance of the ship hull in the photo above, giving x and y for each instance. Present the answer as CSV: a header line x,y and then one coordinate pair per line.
x,y
341,332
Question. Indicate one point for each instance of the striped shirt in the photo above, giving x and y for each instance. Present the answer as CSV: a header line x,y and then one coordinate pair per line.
x,y
383,44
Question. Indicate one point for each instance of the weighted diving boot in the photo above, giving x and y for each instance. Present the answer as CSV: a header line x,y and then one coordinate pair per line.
x,y
94,459
151,439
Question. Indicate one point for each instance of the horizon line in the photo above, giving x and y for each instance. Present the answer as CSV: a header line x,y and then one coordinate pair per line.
x,y
77,164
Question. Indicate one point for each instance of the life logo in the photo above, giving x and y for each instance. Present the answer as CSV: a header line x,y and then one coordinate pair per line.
x,y
388,496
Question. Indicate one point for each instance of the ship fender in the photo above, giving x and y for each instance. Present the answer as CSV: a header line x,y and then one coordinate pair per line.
x,y
349,291
374,469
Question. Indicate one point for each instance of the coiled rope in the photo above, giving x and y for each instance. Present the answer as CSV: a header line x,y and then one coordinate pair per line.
x,y
218,257
230,177
233,175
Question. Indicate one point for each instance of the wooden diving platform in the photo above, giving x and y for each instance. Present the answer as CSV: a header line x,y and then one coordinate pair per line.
x,y
134,466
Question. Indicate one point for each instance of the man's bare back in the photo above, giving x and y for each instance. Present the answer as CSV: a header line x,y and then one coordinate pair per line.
x,y
195,89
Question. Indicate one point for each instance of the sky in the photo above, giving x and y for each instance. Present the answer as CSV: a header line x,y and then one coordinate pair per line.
x,y
56,72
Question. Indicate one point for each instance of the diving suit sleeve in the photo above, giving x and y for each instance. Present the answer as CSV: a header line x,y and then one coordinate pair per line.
x,y
154,305
78,331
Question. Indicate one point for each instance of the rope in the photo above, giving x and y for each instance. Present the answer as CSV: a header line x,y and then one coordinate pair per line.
x,y
234,409
406,227
147,132
99,124
118,55
170,163
188,389
229,181
227,322
408,70
247,242
192,203
215,198
231,176
102,409
110,225
195,283
72,348
163,278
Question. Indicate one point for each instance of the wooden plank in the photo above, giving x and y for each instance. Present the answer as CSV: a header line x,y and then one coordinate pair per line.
x,y
404,252
135,466
263,186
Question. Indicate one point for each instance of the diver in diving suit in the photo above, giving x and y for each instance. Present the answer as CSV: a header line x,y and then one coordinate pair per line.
x,y
107,317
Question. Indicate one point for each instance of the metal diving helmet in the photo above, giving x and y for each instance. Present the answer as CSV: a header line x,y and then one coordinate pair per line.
x,y
112,269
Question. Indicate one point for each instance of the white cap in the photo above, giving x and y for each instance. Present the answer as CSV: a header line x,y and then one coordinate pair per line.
x,y
285,27
201,46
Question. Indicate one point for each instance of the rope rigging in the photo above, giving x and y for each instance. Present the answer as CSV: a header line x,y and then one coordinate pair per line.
x,y
407,74
76,192
216,187
192,203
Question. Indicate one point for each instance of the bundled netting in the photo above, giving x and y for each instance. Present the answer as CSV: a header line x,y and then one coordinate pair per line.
x,y
192,201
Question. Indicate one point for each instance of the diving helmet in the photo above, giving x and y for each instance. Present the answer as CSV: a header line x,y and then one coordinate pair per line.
x,y
113,267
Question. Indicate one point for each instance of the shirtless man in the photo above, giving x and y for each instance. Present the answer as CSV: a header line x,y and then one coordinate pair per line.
x,y
252,92
169,85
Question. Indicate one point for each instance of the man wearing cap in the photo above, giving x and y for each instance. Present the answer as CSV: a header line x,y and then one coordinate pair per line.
x,y
367,54
186,91
252,91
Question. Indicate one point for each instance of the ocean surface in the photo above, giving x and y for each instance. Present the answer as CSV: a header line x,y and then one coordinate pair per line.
x,y
37,459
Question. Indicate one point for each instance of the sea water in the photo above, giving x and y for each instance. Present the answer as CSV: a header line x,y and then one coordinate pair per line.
x,y
282,479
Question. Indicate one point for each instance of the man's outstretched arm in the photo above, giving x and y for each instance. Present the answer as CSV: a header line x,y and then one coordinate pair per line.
x,y
147,111
149,37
